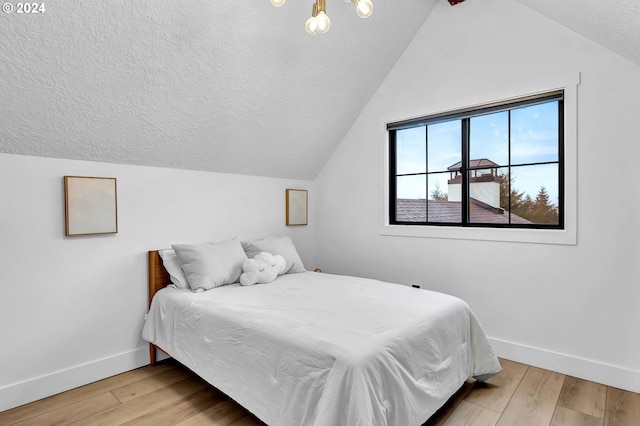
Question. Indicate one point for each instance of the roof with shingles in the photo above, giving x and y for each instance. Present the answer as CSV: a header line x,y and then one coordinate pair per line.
x,y
480,163
415,210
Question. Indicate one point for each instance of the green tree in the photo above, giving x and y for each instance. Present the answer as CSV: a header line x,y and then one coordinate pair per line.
x,y
543,210
519,200
438,195
540,210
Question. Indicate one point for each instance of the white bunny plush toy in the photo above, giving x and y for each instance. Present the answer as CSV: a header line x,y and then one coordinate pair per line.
x,y
262,269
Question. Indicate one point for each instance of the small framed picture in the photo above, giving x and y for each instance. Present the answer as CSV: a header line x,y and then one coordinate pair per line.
x,y
90,205
297,206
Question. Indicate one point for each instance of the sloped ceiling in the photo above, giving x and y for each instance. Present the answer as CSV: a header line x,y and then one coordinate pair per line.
x,y
613,24
225,85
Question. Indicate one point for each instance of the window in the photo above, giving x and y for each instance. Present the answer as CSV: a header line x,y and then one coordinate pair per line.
x,y
498,166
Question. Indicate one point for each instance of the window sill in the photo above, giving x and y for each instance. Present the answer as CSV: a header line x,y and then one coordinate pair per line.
x,y
536,236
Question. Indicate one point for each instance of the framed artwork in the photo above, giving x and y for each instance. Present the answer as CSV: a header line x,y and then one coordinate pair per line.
x,y
90,205
297,206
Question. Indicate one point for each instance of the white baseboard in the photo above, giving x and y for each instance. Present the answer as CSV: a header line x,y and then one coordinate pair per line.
x,y
31,390
587,369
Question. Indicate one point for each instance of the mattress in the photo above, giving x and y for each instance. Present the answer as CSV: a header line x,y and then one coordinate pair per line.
x,y
325,350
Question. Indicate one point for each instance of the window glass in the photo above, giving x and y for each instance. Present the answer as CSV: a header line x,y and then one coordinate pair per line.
x,y
489,137
534,193
411,209
411,187
498,166
411,152
534,134
444,204
443,145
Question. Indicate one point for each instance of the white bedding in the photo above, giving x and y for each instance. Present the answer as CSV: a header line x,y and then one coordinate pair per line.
x,y
320,349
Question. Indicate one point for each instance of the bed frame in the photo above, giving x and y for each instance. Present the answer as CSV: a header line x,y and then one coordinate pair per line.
x,y
158,279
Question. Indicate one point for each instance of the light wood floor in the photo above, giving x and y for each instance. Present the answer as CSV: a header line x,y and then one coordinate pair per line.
x,y
169,394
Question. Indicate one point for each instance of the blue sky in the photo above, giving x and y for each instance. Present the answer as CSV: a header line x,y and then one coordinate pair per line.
x,y
534,131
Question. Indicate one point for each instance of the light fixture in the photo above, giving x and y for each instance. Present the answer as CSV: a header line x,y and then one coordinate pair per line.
x,y
364,8
319,22
312,23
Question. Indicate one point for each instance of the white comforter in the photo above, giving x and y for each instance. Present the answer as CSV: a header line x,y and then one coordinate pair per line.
x,y
319,349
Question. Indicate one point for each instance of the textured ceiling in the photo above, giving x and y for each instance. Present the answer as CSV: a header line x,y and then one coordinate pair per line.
x,y
613,24
222,85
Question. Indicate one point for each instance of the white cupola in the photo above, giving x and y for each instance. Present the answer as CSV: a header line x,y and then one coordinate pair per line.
x,y
484,183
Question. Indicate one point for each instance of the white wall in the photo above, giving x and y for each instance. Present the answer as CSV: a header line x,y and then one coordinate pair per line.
x,y
569,308
71,308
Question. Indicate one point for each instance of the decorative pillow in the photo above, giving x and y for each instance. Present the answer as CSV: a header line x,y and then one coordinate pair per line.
x,y
276,245
262,269
172,265
210,265
275,261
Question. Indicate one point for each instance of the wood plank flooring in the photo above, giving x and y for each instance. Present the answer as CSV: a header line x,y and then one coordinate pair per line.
x,y
169,394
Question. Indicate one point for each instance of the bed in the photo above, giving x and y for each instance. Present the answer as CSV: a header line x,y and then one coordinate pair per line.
x,y
320,349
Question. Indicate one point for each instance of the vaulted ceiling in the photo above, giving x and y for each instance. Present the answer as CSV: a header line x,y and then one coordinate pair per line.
x,y
613,24
225,85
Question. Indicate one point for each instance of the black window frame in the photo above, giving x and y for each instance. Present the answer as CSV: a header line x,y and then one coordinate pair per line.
x,y
465,116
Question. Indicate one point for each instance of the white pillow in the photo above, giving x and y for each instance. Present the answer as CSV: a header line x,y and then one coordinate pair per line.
x,y
210,265
276,245
172,265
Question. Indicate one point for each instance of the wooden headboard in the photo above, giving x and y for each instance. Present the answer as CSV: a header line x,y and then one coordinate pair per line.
x,y
158,279
158,276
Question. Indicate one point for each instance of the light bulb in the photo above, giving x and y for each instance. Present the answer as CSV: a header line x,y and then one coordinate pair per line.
x,y
311,25
277,3
323,22
364,8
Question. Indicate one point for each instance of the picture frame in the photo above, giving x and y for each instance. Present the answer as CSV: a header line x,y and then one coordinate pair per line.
x,y
297,207
90,205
